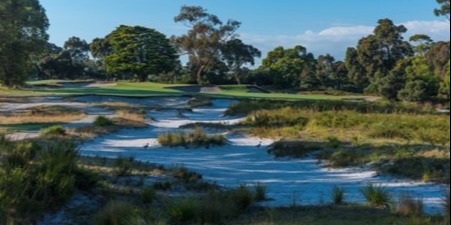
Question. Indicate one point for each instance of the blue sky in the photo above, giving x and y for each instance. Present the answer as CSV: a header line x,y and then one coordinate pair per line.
x,y
327,26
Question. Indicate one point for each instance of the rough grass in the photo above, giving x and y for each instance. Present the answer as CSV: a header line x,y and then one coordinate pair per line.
x,y
402,141
53,114
195,139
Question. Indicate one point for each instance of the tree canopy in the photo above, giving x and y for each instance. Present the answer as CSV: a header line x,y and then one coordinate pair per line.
x,y
136,52
206,35
23,36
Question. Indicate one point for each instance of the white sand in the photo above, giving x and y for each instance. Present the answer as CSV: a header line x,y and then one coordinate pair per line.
x,y
288,181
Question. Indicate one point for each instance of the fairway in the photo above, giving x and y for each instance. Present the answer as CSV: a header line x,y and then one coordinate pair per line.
x,y
149,89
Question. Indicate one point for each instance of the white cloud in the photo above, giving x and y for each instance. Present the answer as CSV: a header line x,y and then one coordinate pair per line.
x,y
335,40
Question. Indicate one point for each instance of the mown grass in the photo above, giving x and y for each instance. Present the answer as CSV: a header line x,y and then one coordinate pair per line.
x,y
149,89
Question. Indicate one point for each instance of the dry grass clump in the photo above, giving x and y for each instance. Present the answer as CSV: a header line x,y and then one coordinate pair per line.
x,y
43,114
128,118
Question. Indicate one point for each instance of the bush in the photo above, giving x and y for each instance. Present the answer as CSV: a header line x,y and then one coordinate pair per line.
x,y
114,213
199,102
102,121
377,196
196,139
410,207
286,117
338,195
242,198
333,142
296,149
36,178
53,131
148,195
260,193
186,175
186,211
123,166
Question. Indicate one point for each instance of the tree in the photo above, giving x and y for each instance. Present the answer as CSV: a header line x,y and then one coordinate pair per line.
x,y
137,52
23,36
325,70
291,68
78,49
444,9
379,53
236,54
395,81
423,43
205,38
356,72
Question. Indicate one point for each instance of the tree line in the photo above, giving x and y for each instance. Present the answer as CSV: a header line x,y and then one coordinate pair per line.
x,y
383,63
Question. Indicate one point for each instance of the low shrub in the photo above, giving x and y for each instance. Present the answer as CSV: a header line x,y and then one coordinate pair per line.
x,y
195,139
148,195
114,213
185,211
123,166
286,117
53,131
409,206
186,175
333,142
338,195
102,121
199,102
242,197
296,149
377,196
260,193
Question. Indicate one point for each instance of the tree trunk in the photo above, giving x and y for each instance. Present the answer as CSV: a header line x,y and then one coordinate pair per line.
x,y
199,74
237,78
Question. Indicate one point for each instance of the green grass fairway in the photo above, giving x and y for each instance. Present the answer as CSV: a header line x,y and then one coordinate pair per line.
x,y
26,127
149,89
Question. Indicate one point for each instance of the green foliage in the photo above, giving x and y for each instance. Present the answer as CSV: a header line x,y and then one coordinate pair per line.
x,y
236,54
333,142
186,211
137,52
444,9
148,195
290,68
35,178
260,193
23,37
53,131
377,196
195,139
204,40
242,197
281,118
114,213
338,195
293,149
123,166
102,121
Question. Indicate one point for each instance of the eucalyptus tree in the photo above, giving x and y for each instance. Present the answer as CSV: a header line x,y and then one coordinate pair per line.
x,y
23,36
444,9
236,54
205,37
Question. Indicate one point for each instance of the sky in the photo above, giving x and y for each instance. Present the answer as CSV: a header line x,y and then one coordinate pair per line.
x,y
326,26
